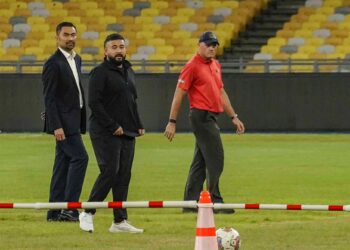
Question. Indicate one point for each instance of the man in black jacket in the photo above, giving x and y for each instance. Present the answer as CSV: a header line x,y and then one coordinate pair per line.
x,y
65,118
114,124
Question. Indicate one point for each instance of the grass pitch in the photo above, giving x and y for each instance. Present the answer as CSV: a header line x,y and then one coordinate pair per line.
x,y
259,168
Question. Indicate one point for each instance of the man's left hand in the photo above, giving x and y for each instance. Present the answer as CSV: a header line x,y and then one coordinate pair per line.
x,y
240,126
141,131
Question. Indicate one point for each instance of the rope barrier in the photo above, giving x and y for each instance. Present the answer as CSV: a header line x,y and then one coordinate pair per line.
x,y
170,204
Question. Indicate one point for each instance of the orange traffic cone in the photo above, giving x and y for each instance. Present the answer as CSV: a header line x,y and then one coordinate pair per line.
x,y
206,232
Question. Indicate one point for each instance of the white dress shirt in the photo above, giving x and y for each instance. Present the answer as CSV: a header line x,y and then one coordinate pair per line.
x,y
73,66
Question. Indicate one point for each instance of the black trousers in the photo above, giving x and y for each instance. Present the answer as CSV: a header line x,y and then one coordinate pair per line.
x,y
68,171
114,155
208,160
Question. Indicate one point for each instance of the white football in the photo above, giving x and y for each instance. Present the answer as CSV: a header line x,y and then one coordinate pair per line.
x,y
228,238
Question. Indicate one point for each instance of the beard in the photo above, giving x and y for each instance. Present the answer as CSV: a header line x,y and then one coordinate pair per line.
x,y
117,59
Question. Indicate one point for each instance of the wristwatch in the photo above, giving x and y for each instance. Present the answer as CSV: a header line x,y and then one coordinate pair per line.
x,y
234,116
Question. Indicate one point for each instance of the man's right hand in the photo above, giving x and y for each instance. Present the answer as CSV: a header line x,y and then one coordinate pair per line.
x,y
119,131
170,131
59,134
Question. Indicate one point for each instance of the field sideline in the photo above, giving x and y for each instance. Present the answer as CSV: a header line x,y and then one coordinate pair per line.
x,y
259,168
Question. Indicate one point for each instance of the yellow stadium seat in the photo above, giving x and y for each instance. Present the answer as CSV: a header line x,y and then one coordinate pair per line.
x,y
310,25
151,27
168,12
315,41
3,35
326,10
292,26
53,5
281,56
302,68
15,51
77,12
33,50
270,49
156,42
125,4
150,12
59,12
334,41
341,33
185,12
179,19
42,57
299,18
329,25
86,57
143,19
176,4
157,57
89,5
335,56
33,20
181,34
166,50
344,49
160,5
328,68
276,41
7,28
19,12
8,69
41,27
176,56
230,4
18,5
47,43
317,56
206,27
96,13
51,50
317,18
299,56
306,10
303,33
28,43
31,69
306,49
144,34
228,27
285,33
333,3
345,25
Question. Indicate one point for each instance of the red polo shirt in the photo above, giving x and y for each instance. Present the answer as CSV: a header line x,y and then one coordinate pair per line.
x,y
202,81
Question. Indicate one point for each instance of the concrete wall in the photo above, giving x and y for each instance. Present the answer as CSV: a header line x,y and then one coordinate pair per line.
x,y
265,102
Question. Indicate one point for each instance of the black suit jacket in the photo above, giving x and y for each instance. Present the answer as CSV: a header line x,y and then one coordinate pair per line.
x,y
61,94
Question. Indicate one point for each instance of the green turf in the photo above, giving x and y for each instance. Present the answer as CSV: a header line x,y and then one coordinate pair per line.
x,y
259,168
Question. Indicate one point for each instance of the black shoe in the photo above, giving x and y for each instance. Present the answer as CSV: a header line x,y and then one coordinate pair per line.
x,y
224,211
189,210
53,215
69,215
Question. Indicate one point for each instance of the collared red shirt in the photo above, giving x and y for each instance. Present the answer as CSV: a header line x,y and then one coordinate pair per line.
x,y
73,66
202,81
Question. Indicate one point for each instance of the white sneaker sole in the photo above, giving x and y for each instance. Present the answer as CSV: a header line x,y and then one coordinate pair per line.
x,y
123,231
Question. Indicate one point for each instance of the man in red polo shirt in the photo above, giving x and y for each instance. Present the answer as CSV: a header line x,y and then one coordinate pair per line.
x,y
201,79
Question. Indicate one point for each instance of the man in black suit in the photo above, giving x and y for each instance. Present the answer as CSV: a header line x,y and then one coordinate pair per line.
x,y
65,118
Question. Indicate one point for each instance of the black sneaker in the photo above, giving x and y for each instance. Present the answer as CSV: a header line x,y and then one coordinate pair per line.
x,y
53,215
69,215
224,211
189,210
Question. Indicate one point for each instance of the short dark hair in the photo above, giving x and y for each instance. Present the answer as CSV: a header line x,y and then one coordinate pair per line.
x,y
64,24
112,37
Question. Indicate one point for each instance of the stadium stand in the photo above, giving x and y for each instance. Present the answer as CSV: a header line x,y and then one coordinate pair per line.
x,y
172,27
318,31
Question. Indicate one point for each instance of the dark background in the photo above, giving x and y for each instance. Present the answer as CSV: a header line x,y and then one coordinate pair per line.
x,y
265,102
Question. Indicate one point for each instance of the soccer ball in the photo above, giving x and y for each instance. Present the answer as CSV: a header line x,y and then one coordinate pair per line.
x,y
228,238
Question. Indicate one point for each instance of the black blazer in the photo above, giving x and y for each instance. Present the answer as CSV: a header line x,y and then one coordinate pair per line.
x,y
61,96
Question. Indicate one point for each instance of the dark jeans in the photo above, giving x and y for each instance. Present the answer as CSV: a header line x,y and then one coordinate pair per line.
x,y
114,155
68,171
208,159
